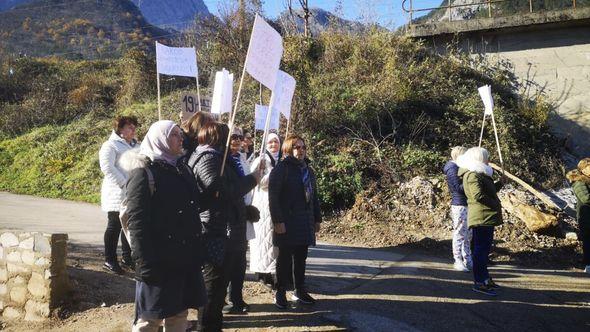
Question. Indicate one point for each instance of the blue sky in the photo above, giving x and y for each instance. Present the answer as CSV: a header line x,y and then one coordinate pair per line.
x,y
387,12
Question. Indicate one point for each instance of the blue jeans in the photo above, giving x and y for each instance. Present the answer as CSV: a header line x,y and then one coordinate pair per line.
x,y
483,236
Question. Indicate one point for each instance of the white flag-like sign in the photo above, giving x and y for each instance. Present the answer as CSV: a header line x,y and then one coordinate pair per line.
x,y
282,94
222,92
264,53
176,61
485,92
260,112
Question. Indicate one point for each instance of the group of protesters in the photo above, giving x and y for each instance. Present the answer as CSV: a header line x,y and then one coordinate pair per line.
x,y
476,210
188,205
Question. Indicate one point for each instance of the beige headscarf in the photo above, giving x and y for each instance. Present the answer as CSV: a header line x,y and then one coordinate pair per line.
x,y
155,144
582,173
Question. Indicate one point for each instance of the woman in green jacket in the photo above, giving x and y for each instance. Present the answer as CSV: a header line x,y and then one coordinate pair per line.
x,y
580,179
484,212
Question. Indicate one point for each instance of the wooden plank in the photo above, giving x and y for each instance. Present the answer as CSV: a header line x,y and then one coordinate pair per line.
x,y
543,197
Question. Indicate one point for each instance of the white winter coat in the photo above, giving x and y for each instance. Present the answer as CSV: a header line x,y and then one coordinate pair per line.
x,y
263,254
114,176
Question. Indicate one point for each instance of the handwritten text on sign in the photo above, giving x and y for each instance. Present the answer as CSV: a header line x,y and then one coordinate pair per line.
x,y
189,105
282,94
264,53
176,61
260,118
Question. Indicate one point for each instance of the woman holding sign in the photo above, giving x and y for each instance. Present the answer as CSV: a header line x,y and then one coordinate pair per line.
x,y
295,212
484,212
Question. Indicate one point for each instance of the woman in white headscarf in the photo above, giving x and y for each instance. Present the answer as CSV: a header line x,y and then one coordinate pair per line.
x,y
165,232
263,254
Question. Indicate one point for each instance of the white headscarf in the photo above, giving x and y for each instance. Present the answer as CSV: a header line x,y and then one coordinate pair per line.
x,y
270,137
155,144
475,159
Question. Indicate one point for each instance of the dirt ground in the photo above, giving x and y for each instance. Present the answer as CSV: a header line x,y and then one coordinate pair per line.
x,y
410,290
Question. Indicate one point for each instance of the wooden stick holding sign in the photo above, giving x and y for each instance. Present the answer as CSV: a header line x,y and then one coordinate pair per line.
x,y
485,93
197,79
263,59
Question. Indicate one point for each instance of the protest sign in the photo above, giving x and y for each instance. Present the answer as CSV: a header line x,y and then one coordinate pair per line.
x,y
189,105
264,53
282,94
260,114
222,92
176,61
485,92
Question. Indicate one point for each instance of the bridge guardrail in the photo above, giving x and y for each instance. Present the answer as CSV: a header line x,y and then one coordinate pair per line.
x,y
449,6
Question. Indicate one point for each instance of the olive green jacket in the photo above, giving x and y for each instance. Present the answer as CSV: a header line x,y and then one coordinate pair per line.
x,y
582,192
483,205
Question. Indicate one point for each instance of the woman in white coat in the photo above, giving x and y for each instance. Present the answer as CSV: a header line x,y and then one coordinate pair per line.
x,y
121,140
263,254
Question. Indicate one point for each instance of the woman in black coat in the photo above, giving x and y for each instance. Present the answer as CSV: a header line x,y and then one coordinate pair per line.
x,y
295,213
165,231
223,213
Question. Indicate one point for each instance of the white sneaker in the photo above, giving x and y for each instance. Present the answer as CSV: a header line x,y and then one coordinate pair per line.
x,y
459,266
587,269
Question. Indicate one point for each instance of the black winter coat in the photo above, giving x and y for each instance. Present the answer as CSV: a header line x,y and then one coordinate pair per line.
x,y
286,195
224,210
165,228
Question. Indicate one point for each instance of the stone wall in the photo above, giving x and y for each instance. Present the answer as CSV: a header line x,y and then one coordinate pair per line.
x,y
33,275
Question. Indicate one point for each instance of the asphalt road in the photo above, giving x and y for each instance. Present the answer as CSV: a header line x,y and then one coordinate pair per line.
x,y
362,289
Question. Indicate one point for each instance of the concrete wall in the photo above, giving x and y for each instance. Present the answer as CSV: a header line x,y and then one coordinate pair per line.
x,y
33,276
553,56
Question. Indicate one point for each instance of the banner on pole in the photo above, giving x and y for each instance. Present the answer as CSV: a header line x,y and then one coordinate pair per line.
x,y
222,92
282,94
176,61
264,53
485,92
260,112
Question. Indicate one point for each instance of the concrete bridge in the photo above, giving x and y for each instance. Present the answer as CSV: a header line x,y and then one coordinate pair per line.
x,y
549,52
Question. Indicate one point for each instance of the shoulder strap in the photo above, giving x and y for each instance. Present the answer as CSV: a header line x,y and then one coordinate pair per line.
x,y
151,181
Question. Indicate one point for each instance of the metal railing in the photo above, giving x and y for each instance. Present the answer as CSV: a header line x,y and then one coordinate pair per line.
x,y
448,8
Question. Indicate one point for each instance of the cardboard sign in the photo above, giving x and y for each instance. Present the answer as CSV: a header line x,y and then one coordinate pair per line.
x,y
264,53
222,92
189,105
485,92
176,61
282,94
260,112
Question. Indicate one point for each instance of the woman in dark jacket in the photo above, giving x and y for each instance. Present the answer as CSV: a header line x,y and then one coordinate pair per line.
x,y
295,213
165,231
223,216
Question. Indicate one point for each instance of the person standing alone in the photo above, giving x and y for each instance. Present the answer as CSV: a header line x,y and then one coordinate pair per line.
x,y
121,140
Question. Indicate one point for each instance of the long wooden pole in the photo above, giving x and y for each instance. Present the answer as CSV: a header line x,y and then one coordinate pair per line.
x,y
233,117
266,129
159,102
288,123
498,143
482,125
197,79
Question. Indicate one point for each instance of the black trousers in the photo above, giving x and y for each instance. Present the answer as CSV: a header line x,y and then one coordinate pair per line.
x,y
584,225
291,267
111,239
236,271
216,285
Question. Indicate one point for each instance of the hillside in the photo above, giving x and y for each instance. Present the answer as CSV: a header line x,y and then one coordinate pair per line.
x,y
76,29
321,20
176,14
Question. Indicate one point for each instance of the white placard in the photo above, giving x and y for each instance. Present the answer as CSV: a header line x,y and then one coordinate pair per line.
x,y
222,92
260,118
485,92
176,61
189,105
264,53
282,94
